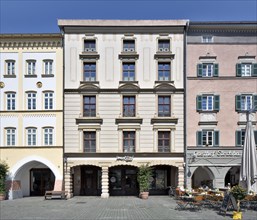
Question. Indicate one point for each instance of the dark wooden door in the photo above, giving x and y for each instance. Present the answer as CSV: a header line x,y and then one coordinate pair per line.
x,y
89,181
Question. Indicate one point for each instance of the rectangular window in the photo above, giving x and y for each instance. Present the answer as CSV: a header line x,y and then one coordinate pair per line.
x,y
89,103
163,45
207,39
208,103
128,71
31,136
129,141
240,137
128,45
163,71
10,101
31,100
31,65
89,71
129,106
90,141
163,141
10,67
48,136
246,102
246,69
208,138
90,45
164,109
48,100
48,65
10,136
207,70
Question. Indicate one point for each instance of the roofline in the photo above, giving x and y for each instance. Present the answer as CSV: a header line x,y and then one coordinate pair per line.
x,y
223,22
24,35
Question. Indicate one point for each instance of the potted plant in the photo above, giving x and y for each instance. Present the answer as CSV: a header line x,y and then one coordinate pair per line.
x,y
239,193
3,173
143,177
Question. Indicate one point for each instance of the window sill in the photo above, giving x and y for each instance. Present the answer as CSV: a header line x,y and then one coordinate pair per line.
x,y
30,76
164,81
89,120
89,82
128,120
207,123
164,120
164,55
129,56
9,76
206,112
47,75
89,55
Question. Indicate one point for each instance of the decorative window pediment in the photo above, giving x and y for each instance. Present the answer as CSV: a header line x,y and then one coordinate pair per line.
x,y
130,87
164,87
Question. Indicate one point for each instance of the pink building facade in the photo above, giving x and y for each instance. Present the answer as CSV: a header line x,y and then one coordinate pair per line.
x,y
221,85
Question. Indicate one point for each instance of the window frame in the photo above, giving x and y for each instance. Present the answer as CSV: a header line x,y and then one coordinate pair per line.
x,y
90,48
163,148
162,45
126,113
163,71
162,113
129,71
31,136
207,39
92,147
11,100
48,69
49,136
127,47
91,71
31,70
31,101
214,134
10,71
10,136
89,104
48,101
215,103
130,139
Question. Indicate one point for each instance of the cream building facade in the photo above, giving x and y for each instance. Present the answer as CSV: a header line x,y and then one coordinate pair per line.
x,y
123,104
31,112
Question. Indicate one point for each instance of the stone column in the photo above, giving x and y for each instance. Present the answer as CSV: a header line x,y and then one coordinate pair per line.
x,y
181,175
105,183
68,181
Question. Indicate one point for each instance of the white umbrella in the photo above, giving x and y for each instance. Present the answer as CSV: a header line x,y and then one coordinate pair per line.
x,y
248,169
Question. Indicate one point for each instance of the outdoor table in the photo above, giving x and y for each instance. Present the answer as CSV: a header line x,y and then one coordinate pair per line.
x,y
190,202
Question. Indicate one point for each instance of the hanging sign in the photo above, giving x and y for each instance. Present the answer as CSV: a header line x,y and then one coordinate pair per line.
x,y
125,158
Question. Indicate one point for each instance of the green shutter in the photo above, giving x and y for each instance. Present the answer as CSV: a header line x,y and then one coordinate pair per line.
x,y
199,138
216,141
199,103
199,70
238,139
216,102
238,102
238,69
254,69
255,102
255,137
216,70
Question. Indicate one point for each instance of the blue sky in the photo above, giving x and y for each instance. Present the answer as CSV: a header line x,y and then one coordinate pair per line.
x,y
40,16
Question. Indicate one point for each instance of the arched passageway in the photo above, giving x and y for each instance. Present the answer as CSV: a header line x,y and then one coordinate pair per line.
x,y
202,177
232,176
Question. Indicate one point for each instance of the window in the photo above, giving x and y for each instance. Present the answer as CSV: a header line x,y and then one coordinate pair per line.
x,y
208,70
208,138
163,71
48,99
240,137
128,71
10,136
48,136
89,106
207,39
90,45
163,45
128,45
129,141
164,106
208,103
129,106
245,102
31,65
89,71
10,67
163,141
246,69
10,97
48,67
31,136
31,100
90,141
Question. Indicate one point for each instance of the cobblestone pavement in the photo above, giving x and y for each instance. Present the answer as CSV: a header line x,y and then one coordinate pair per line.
x,y
155,208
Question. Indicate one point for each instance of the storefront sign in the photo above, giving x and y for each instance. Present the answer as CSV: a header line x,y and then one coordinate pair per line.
x,y
125,158
217,154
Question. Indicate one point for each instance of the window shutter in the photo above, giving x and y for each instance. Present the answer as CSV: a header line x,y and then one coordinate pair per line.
x,y
254,69
216,138
199,138
199,70
216,70
199,103
217,102
238,139
238,69
255,137
255,102
238,102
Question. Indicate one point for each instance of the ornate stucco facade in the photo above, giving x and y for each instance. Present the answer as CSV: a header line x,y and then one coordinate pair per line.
x,y
31,112
110,67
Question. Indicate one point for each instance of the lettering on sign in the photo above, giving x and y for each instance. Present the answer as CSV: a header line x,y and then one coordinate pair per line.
x,y
217,154
125,158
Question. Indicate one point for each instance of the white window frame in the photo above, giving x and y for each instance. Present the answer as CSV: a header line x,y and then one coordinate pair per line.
x,y
10,136
11,97
246,69
31,67
127,48
48,100
209,99
207,39
31,100
163,47
246,101
89,49
48,136
10,67
31,134
207,137
208,71
48,67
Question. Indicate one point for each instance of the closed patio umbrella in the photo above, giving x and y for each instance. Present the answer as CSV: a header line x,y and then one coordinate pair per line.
x,y
248,169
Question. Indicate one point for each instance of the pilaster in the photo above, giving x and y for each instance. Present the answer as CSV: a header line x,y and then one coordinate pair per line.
x,y
105,183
